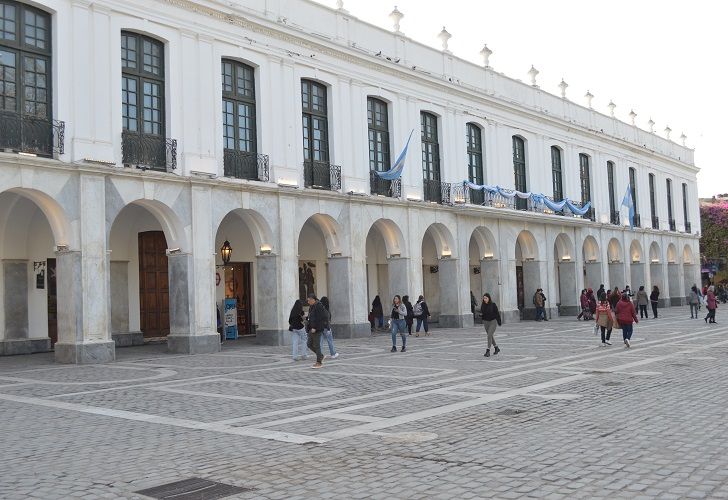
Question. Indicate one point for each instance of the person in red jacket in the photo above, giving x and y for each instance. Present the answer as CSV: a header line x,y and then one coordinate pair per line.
x,y
711,304
626,315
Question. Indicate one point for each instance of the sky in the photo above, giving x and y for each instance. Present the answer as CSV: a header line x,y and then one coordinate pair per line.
x,y
663,58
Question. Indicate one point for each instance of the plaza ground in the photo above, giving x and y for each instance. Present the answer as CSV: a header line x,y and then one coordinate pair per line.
x,y
554,415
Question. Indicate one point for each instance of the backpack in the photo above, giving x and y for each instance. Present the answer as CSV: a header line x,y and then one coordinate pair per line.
x,y
418,309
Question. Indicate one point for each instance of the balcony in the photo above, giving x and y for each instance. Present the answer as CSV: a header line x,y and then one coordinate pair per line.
x,y
673,226
148,152
245,165
637,221
655,222
383,187
436,191
614,218
688,229
27,134
321,175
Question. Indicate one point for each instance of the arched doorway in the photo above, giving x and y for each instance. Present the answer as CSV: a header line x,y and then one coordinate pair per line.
x,y
657,274
674,283
246,287
440,276
691,274
615,260
637,266
592,264
386,264
565,271
528,273
31,227
484,267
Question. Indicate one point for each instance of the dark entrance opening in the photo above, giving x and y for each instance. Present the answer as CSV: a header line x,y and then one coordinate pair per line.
x,y
153,284
238,286
52,302
519,288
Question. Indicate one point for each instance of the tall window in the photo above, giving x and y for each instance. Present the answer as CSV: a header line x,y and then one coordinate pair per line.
x,y
585,178
25,78
610,184
475,153
633,188
653,203
686,219
519,169
315,122
142,84
430,147
670,220
378,123
556,174
238,107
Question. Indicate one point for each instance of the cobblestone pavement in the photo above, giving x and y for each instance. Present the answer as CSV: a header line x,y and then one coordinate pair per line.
x,y
554,415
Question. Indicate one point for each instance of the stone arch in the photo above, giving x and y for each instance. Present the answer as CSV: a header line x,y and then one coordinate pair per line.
x,y
485,241
592,269
51,209
590,250
687,255
330,230
635,251
483,258
260,230
615,264
392,236
655,253
443,239
614,251
563,248
528,246
671,254
171,224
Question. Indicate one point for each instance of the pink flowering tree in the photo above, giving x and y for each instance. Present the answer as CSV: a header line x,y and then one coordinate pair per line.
x,y
714,227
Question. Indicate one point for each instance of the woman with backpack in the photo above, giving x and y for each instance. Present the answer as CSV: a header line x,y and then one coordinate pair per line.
x,y
605,319
421,312
654,298
327,333
398,315
491,318
410,313
299,338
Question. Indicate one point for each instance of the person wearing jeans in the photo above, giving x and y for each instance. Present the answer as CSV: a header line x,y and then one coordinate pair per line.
x,y
327,333
318,321
399,325
421,312
298,331
694,301
626,315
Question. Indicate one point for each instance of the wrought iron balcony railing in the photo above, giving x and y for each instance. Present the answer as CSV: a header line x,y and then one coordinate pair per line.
x,y
437,191
148,152
655,222
688,229
673,226
321,175
245,165
28,134
383,187
614,218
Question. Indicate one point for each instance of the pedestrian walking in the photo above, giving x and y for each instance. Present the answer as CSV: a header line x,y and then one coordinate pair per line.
x,y
318,321
473,302
491,319
410,313
601,291
584,303
398,317
628,291
642,301
614,298
712,304
592,302
539,301
605,319
654,300
328,334
694,302
377,313
298,331
422,313
626,316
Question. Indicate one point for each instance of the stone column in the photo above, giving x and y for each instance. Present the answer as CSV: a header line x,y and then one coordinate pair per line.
x,y
15,307
657,278
119,290
271,314
616,275
451,315
593,275
677,298
490,274
341,297
636,275
398,272
567,289
184,336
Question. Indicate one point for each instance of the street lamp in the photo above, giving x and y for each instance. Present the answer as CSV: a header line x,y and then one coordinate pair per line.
x,y
226,252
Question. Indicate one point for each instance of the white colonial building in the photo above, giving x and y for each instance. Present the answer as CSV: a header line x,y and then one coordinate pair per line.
x,y
138,137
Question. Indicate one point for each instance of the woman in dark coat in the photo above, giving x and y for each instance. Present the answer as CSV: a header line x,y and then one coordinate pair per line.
x,y
654,297
410,313
377,312
491,318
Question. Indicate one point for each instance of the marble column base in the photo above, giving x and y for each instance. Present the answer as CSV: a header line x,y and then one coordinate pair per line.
x,y
273,337
24,346
678,301
85,353
351,331
193,344
126,339
455,321
663,302
569,310
513,316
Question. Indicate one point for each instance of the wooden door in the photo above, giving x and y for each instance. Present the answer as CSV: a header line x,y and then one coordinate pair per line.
x,y
153,284
52,301
238,285
519,287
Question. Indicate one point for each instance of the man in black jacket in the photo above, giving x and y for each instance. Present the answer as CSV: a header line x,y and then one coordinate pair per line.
x,y
318,320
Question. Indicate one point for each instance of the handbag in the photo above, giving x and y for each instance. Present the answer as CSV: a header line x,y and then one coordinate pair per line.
x,y
596,329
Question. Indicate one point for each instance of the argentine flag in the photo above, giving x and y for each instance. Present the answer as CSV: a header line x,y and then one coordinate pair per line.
x,y
629,203
396,171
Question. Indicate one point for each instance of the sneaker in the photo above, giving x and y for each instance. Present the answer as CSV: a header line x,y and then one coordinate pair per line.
x,y
336,355
417,334
393,349
627,342
497,350
403,349
608,342
316,366
487,353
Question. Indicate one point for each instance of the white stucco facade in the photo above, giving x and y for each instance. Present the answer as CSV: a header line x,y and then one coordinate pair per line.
x,y
86,214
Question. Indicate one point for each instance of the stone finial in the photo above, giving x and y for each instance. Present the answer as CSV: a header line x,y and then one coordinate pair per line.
x,y
589,98
444,37
485,53
563,86
611,107
533,73
340,4
683,138
667,132
396,16
651,124
632,115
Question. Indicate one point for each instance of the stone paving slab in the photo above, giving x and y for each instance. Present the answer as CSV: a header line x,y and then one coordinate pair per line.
x,y
553,416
